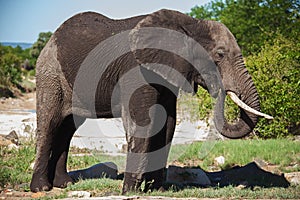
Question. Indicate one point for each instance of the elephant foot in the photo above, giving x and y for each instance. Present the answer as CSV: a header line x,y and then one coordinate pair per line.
x,y
62,181
154,185
131,183
155,180
39,184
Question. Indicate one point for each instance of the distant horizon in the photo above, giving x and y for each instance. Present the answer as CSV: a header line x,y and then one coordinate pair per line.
x,y
2,42
23,45
22,21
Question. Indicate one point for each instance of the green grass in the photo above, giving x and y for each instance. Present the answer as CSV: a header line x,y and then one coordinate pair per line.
x,y
107,187
235,193
98,187
284,153
15,165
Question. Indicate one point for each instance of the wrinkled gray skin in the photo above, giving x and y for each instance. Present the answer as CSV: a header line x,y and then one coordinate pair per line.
x,y
60,61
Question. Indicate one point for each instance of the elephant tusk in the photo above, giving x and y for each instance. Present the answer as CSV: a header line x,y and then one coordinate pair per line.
x,y
244,106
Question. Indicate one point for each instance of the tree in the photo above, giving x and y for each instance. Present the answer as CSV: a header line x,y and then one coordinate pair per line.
x,y
10,71
276,72
39,44
252,21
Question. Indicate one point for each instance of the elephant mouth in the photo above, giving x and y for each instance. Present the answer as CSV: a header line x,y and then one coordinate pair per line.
x,y
245,107
248,115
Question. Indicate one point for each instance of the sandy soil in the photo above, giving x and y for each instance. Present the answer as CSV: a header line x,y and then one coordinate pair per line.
x,y
26,101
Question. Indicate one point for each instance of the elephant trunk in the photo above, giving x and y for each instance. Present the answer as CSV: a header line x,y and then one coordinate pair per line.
x,y
248,96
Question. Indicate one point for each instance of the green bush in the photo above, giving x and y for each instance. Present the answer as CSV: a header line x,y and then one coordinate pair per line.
x,y
17,64
10,70
276,72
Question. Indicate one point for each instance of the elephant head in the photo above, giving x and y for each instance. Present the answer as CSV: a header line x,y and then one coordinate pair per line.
x,y
222,69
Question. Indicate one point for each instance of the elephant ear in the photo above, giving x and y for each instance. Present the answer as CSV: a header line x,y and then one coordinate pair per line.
x,y
161,43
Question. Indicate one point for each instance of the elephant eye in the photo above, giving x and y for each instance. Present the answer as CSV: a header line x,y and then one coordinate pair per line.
x,y
220,53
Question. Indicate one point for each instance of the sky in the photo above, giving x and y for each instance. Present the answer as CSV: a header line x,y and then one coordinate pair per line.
x,y
23,20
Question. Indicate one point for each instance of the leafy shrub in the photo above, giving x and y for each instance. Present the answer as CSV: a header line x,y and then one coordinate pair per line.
x,y
10,70
276,72
16,63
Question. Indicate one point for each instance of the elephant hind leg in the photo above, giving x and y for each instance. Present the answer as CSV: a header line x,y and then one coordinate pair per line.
x,y
59,153
40,178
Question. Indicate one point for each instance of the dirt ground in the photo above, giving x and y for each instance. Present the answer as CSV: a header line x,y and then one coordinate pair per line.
x,y
25,101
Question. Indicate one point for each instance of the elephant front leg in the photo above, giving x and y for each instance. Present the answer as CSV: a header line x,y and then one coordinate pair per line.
x,y
161,142
137,123
149,124
135,165
137,159
147,159
160,145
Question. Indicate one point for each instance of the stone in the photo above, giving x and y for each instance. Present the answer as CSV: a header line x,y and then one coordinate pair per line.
x,y
220,160
12,146
79,194
10,140
293,177
32,165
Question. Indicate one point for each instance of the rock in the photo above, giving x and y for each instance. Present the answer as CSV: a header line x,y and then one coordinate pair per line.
x,y
220,160
4,142
11,140
293,177
101,170
12,146
79,194
32,165
261,163
267,166
13,137
31,119
243,185
187,176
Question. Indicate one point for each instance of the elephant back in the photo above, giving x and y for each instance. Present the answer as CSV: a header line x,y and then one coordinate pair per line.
x,y
80,34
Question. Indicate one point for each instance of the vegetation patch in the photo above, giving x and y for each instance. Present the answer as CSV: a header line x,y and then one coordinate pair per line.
x,y
281,155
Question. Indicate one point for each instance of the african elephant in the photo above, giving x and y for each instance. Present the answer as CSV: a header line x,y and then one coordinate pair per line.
x,y
97,67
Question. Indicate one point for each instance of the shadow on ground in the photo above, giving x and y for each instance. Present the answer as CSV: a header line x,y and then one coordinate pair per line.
x,y
250,175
